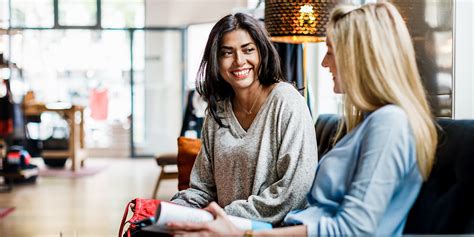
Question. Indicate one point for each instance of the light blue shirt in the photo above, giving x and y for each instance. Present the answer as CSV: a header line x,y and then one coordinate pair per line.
x,y
368,182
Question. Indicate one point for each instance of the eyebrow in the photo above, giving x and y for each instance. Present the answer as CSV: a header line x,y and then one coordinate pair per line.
x,y
247,44
242,46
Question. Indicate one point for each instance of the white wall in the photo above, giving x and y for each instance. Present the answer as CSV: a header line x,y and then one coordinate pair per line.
x,y
184,12
464,60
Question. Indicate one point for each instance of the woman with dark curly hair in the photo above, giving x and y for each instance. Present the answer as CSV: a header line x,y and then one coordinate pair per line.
x,y
259,148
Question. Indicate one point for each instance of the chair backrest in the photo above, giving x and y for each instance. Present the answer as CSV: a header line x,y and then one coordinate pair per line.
x,y
188,148
325,127
445,204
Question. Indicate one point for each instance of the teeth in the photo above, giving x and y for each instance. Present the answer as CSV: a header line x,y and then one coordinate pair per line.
x,y
241,73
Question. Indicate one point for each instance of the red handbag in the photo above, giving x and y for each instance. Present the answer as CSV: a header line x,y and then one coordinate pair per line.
x,y
142,209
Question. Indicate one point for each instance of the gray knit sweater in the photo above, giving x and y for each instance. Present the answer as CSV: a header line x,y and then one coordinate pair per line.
x,y
261,173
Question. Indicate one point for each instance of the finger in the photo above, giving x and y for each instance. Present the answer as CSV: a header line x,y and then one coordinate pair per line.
x,y
187,226
216,210
193,234
179,232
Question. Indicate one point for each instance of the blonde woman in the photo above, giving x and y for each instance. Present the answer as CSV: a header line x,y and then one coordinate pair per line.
x,y
368,182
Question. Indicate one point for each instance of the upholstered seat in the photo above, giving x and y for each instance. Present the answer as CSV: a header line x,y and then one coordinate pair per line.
x,y
166,159
325,127
445,204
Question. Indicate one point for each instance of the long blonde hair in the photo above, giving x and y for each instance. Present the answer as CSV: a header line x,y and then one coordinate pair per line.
x,y
376,64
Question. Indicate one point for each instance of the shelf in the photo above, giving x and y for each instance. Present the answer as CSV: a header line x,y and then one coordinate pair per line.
x,y
9,32
51,154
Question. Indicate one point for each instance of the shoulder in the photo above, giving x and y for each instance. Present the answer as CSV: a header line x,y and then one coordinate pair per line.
x,y
285,93
388,114
285,89
287,104
387,121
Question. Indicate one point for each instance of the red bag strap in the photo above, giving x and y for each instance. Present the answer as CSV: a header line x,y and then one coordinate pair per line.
x,y
144,208
125,214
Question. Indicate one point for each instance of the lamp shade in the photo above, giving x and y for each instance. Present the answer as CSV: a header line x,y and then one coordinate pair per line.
x,y
297,21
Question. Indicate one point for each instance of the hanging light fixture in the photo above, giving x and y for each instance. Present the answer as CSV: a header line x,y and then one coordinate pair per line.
x,y
297,21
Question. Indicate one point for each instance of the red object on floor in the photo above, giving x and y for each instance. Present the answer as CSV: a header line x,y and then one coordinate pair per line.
x,y
4,211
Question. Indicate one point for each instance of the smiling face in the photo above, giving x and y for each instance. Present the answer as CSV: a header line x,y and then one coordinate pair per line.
x,y
239,59
329,61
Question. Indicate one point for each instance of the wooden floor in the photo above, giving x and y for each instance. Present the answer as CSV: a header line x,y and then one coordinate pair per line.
x,y
87,206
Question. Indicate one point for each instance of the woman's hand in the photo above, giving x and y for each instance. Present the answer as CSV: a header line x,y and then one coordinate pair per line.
x,y
221,225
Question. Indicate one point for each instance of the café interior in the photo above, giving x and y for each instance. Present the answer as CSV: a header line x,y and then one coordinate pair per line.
x,y
100,90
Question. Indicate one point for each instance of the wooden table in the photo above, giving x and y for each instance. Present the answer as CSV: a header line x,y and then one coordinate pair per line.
x,y
74,115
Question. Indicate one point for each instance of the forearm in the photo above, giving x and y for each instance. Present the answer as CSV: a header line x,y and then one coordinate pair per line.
x,y
299,230
178,199
192,198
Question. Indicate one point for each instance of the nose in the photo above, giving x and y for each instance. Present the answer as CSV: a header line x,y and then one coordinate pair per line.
x,y
324,63
239,59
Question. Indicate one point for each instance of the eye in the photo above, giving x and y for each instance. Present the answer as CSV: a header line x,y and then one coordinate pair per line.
x,y
249,50
226,53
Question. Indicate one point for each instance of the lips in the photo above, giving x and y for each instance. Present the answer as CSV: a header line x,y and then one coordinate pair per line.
x,y
241,73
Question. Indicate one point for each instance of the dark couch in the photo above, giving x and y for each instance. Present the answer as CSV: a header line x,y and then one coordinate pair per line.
x,y
446,201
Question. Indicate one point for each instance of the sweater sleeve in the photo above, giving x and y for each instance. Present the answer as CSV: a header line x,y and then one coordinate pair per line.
x,y
202,188
296,160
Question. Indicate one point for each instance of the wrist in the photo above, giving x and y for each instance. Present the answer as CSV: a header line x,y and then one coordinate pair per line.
x,y
248,233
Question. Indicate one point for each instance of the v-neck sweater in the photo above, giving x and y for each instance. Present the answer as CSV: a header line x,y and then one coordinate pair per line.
x,y
261,173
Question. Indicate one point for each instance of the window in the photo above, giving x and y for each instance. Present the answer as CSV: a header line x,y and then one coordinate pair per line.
x,y
71,49
123,13
32,13
77,12
199,34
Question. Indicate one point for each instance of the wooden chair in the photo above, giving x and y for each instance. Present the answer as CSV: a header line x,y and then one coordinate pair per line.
x,y
188,149
163,161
